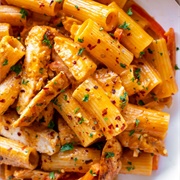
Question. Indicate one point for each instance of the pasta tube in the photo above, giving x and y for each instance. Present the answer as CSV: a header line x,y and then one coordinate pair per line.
x,y
93,98
44,140
38,48
134,38
142,142
80,66
86,9
75,159
149,77
103,47
141,165
77,118
47,7
17,154
11,52
12,15
146,121
7,96
42,99
160,58
37,175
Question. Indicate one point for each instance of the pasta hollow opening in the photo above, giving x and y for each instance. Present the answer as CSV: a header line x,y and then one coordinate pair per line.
x,y
33,158
110,17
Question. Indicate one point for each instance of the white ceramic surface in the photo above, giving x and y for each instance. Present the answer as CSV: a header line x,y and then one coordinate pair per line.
x,y
167,13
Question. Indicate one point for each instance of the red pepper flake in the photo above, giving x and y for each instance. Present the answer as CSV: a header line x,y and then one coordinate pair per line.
x,y
113,101
104,112
140,63
118,118
107,49
113,91
24,147
22,91
123,126
117,60
95,87
69,117
98,41
19,134
91,47
87,89
41,5
110,126
2,100
74,62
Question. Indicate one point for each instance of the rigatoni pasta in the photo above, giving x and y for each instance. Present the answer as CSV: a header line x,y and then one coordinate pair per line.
x,y
82,88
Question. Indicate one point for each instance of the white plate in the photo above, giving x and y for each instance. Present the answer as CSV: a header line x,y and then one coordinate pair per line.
x,y
167,13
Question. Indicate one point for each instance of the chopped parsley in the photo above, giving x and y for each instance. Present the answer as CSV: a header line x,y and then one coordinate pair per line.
x,y
51,124
81,40
5,62
137,73
137,122
17,68
46,41
81,50
131,132
92,173
25,82
58,1
91,135
76,110
130,168
65,97
141,54
123,99
150,51
52,175
76,7
123,65
24,13
129,11
55,102
62,90
176,67
86,98
67,147
41,70
109,154
81,120
124,26
106,118
141,102
75,159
